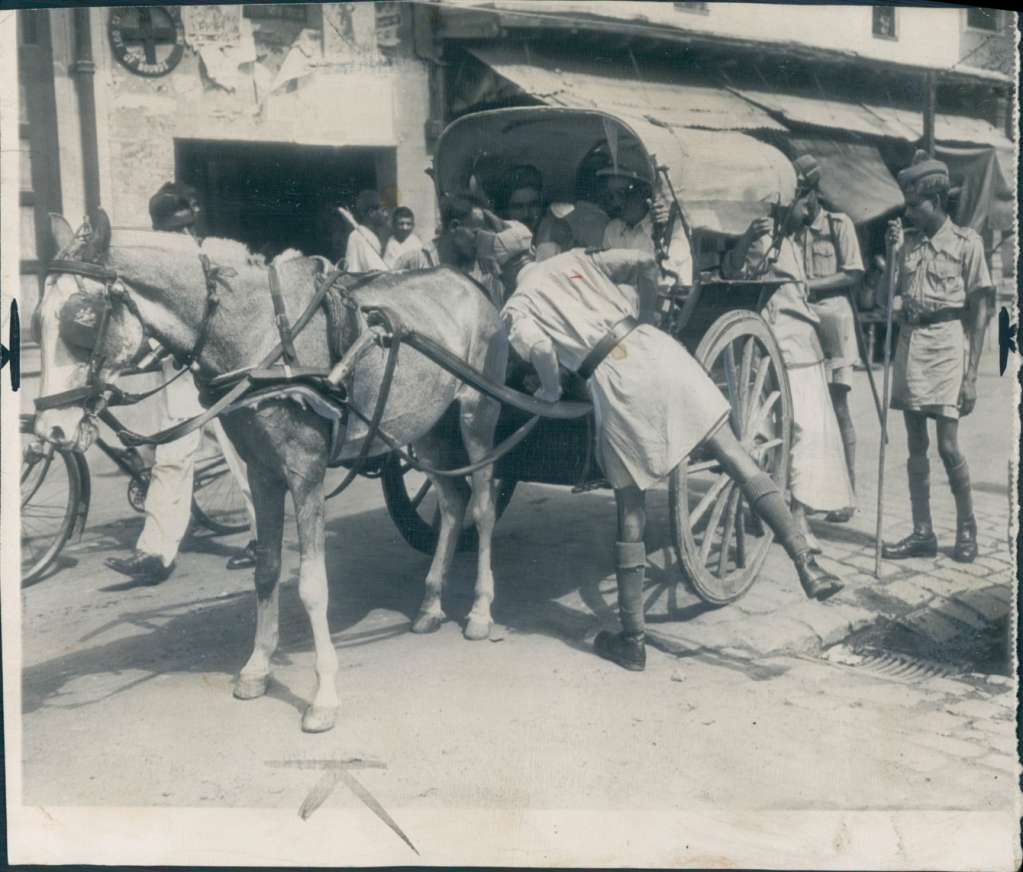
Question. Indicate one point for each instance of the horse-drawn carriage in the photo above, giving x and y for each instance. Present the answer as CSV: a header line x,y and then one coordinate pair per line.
x,y
717,320
331,402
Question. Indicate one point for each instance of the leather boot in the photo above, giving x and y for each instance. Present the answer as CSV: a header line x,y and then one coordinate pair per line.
x,y
245,558
817,583
627,648
921,542
142,567
965,550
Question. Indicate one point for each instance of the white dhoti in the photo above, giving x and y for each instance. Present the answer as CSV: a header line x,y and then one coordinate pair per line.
x,y
168,507
818,478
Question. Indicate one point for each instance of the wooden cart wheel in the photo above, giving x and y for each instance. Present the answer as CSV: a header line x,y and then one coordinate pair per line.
x,y
721,546
412,505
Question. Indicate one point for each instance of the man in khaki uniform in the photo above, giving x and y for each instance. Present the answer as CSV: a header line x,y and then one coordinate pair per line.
x,y
943,305
831,258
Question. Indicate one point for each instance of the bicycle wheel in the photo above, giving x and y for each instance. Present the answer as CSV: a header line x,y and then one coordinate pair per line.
x,y
217,500
51,488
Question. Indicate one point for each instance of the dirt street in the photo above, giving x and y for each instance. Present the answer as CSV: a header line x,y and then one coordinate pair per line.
x,y
127,689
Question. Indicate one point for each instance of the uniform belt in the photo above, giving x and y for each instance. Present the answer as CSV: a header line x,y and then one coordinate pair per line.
x,y
939,316
606,345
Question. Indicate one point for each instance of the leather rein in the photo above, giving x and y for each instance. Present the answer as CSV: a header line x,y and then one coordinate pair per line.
x,y
113,289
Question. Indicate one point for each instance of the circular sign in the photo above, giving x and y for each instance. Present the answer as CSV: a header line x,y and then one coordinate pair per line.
x,y
148,40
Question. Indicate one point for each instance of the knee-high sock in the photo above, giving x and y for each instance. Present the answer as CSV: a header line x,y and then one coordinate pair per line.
x,y
631,559
919,471
959,481
767,501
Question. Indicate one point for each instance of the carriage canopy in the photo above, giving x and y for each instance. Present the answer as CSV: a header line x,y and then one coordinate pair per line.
x,y
723,178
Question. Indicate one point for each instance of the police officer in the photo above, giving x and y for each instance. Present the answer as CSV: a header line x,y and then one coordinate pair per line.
x,y
575,310
943,305
833,266
175,208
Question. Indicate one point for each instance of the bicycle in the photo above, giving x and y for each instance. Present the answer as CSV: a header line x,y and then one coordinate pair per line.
x,y
56,492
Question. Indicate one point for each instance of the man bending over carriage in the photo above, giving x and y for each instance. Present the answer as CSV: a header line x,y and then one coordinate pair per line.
x,y
575,310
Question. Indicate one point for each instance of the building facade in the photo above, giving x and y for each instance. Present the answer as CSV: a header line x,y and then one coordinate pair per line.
x,y
278,113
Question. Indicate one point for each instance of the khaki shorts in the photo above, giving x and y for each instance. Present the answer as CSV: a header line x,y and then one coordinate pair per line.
x,y
838,339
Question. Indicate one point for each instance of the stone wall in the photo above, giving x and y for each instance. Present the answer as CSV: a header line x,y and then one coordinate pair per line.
x,y
343,75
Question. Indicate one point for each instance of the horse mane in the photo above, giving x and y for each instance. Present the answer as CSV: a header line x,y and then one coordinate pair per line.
x,y
221,251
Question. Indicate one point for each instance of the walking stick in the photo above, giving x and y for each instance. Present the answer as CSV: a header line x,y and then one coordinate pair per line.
x,y
890,275
865,353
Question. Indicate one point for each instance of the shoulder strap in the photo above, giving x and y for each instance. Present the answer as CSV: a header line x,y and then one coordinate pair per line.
x,y
834,240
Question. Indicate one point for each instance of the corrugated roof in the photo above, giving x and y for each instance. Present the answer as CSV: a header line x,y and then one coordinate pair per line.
x,y
613,86
836,114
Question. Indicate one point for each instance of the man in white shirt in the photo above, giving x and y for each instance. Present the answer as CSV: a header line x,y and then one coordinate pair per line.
x,y
631,204
369,230
168,505
405,250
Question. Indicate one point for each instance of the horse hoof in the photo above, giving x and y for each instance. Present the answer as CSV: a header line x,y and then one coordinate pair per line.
x,y
477,629
427,622
318,719
250,688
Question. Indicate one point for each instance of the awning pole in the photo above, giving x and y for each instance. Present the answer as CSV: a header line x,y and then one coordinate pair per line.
x,y
930,100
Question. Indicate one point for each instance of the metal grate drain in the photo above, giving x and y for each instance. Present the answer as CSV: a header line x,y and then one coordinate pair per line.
x,y
903,667
892,666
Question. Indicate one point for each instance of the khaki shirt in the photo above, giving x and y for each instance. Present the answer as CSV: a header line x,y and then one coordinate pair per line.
x,y
822,252
640,237
941,271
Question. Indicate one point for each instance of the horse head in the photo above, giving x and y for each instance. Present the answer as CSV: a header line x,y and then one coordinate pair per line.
x,y
67,324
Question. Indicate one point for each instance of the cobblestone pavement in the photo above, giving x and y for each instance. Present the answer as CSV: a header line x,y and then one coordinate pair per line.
x,y
937,598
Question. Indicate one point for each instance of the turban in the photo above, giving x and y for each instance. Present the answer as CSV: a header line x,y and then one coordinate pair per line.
x,y
808,172
925,175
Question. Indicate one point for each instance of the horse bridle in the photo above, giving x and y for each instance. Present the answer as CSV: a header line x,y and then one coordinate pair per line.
x,y
114,288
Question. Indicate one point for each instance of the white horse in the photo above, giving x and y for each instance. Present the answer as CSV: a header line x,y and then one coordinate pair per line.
x,y
161,291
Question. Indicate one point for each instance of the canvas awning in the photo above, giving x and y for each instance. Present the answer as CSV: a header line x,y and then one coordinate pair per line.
x,y
613,85
837,114
986,198
854,178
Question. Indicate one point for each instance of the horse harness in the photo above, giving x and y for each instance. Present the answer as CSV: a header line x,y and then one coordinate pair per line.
x,y
113,288
304,385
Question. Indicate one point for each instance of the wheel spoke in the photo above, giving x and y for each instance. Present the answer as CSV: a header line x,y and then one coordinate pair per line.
x,y
703,466
715,519
764,412
421,493
728,363
733,499
740,535
744,371
708,500
759,379
763,447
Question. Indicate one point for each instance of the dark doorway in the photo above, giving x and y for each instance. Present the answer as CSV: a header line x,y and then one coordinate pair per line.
x,y
273,196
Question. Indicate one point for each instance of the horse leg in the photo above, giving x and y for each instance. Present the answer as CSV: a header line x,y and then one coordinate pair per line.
x,y
478,422
306,485
451,500
268,495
